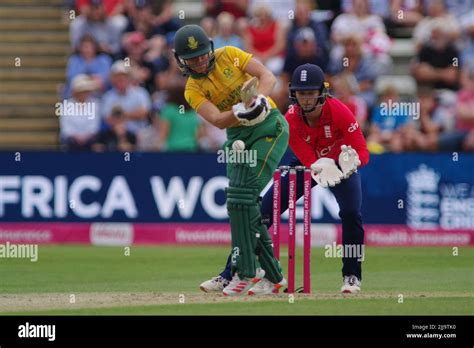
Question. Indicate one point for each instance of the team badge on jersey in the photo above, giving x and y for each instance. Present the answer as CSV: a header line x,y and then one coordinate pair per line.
x,y
327,132
228,73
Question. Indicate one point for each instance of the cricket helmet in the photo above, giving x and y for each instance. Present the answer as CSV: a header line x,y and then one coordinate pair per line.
x,y
191,41
308,77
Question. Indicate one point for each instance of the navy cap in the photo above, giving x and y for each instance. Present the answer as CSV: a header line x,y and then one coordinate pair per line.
x,y
307,77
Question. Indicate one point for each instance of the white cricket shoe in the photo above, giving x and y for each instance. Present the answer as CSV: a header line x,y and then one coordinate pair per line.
x,y
266,287
259,274
215,284
351,285
239,286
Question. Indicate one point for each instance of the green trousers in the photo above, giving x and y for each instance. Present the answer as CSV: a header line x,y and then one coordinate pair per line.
x,y
265,145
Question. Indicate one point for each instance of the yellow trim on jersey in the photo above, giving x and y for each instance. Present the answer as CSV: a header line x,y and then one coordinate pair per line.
x,y
222,85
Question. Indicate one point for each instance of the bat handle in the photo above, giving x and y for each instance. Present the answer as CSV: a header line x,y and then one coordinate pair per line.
x,y
250,103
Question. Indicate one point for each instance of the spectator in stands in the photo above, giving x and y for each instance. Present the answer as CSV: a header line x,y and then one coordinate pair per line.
x,y
135,46
436,63
116,137
266,39
433,130
209,25
376,7
457,8
168,76
465,102
369,27
387,121
422,134
134,100
143,19
178,124
235,7
361,65
79,128
306,51
436,13
164,17
152,18
345,88
467,26
406,13
303,19
359,13
225,32
211,137
282,10
112,8
88,61
105,30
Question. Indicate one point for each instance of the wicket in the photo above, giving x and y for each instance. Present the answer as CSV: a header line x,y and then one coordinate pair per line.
x,y
292,223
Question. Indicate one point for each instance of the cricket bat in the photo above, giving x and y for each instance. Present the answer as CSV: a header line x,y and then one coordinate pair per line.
x,y
249,92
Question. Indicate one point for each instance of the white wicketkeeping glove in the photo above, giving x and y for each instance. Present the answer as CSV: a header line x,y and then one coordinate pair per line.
x,y
348,160
326,173
255,114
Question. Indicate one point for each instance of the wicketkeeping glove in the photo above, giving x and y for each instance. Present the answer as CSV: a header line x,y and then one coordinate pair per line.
x,y
348,160
257,113
326,173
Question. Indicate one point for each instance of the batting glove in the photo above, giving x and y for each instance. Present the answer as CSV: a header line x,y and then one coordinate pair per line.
x,y
255,114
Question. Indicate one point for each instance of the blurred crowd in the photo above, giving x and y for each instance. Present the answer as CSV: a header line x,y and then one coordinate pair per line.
x,y
123,65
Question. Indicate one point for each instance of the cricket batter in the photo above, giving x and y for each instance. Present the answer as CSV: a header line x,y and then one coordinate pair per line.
x,y
213,89
324,136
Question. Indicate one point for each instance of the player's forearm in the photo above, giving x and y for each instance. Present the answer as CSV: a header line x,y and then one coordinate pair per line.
x,y
224,120
266,83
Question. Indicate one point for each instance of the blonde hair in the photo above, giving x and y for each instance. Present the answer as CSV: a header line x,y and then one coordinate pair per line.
x,y
225,18
347,81
262,7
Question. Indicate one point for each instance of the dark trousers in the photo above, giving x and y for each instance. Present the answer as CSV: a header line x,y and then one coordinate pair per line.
x,y
349,198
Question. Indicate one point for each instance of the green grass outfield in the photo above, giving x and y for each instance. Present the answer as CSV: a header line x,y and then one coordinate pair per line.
x,y
165,281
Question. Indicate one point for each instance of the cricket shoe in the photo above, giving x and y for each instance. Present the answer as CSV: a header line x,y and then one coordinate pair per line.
x,y
351,285
215,284
266,287
239,286
259,274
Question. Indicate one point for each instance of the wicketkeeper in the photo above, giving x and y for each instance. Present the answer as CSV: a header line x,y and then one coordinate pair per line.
x,y
213,89
324,136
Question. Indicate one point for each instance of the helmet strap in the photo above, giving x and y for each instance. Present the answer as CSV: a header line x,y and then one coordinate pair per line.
x,y
320,100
